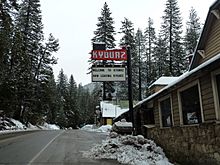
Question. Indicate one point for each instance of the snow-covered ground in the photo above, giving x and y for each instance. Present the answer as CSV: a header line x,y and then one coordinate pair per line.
x,y
11,125
93,128
128,149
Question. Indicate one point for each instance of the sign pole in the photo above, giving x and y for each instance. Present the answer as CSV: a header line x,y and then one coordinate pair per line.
x,y
130,94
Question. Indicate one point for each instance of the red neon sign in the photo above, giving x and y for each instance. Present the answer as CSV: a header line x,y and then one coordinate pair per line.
x,y
117,54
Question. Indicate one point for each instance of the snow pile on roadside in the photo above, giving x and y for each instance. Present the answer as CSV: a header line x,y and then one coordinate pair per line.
x,y
9,124
18,124
47,126
105,128
91,128
135,150
88,127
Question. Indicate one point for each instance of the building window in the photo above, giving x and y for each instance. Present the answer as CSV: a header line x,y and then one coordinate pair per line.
x,y
191,110
149,116
165,111
216,91
218,87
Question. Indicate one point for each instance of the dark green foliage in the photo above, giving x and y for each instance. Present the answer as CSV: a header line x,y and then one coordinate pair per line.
x,y
128,39
140,49
193,29
150,59
105,29
72,108
171,30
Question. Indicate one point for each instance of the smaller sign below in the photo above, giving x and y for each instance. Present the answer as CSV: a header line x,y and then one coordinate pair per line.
x,y
117,54
110,73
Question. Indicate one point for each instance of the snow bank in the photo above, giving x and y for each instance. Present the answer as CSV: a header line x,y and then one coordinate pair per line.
x,y
105,128
88,127
9,125
47,126
18,124
135,150
91,128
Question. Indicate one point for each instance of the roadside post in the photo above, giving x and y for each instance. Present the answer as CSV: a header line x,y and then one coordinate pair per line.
x,y
130,94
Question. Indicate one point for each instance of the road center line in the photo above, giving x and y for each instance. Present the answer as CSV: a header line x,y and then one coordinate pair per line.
x,y
42,150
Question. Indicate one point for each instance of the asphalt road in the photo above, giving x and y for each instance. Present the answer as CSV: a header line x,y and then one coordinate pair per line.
x,y
50,147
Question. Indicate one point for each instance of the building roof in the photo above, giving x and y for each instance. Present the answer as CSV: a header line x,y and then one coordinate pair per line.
x,y
203,37
164,81
110,110
181,78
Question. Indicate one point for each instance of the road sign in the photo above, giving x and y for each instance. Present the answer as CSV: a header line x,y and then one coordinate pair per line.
x,y
109,73
116,54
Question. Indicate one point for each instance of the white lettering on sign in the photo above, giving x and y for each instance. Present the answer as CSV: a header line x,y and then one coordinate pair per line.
x,y
109,54
100,74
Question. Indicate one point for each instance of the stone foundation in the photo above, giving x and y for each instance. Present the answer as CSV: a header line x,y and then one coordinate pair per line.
x,y
197,144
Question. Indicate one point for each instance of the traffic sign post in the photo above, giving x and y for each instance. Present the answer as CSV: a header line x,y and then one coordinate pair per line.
x,y
108,73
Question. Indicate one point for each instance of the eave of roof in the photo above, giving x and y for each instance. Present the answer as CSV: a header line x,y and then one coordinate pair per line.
x,y
181,78
201,43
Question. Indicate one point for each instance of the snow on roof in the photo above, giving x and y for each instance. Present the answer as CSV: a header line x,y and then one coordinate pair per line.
x,y
164,81
182,77
110,110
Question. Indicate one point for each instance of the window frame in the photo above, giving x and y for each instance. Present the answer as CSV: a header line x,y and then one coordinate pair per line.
x,y
171,109
193,83
215,93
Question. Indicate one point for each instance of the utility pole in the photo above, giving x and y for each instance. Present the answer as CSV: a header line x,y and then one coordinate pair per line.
x,y
139,68
130,94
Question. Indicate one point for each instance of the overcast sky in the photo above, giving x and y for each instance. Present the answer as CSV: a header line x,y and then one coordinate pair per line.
x,y
74,21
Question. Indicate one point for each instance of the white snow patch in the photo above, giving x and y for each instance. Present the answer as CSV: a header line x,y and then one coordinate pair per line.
x,y
105,128
47,126
88,127
92,128
110,110
8,125
164,81
18,124
135,150
123,124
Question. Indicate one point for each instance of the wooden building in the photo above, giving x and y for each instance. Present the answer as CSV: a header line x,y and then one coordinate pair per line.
x,y
184,116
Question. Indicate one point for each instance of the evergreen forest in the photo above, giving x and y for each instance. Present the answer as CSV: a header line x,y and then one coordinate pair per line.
x,y
29,91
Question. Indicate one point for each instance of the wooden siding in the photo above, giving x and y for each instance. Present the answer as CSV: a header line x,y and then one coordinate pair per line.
x,y
156,113
207,98
175,108
156,88
212,47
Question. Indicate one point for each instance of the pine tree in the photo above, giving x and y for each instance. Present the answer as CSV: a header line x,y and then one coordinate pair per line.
x,y
193,30
51,100
29,25
150,40
171,30
83,99
72,111
62,90
140,49
105,30
128,39
105,34
8,10
161,64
